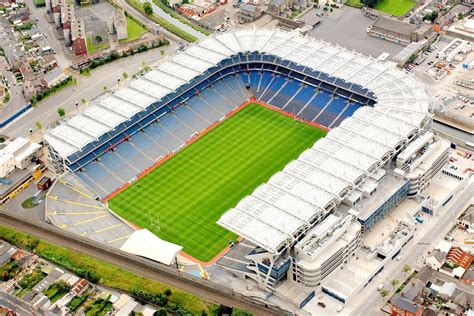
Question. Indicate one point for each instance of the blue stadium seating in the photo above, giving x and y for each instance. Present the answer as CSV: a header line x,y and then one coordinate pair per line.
x,y
217,96
192,119
176,127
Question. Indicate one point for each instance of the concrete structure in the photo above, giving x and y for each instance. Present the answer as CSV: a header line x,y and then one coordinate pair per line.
x,y
78,37
119,24
463,29
17,153
421,160
248,13
451,51
393,30
324,249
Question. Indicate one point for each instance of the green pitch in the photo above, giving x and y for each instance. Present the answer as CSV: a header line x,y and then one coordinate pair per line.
x,y
181,200
395,7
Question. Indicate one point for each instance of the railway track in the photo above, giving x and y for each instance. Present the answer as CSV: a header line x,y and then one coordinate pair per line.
x,y
151,270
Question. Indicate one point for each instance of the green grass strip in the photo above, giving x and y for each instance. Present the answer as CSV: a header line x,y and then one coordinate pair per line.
x,y
164,23
110,275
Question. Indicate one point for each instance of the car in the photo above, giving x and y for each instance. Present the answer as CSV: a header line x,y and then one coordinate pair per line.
x,y
380,287
322,304
399,258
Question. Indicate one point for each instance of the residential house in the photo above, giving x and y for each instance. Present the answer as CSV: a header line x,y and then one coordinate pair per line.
x,y
436,259
405,307
461,259
53,77
248,13
6,252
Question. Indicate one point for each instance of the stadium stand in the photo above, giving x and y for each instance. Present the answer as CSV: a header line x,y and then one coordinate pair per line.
x,y
129,129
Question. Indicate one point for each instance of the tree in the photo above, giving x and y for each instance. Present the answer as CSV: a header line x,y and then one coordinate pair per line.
x,y
125,75
98,38
394,283
383,293
406,268
83,101
147,8
61,112
38,125
104,88
431,16
369,3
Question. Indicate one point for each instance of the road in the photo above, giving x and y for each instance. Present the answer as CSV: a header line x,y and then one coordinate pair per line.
x,y
17,305
153,271
413,253
88,87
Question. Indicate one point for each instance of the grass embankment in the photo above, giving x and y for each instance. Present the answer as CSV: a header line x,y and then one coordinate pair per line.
x,y
163,23
92,48
181,200
177,16
134,30
107,274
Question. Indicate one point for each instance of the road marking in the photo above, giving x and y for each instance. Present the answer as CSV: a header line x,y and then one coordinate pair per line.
x,y
75,213
74,203
76,190
117,239
90,220
107,228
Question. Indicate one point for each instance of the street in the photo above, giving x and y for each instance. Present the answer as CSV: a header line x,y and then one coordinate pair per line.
x,y
17,305
88,87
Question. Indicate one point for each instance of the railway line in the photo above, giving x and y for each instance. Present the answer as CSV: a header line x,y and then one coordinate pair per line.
x,y
146,268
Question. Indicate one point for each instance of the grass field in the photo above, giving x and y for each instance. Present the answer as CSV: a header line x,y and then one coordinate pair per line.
x,y
181,200
394,7
92,48
134,30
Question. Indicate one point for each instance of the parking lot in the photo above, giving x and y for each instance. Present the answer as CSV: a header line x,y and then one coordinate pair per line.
x,y
347,27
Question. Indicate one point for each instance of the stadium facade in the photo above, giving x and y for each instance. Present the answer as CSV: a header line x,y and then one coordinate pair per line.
x,y
308,218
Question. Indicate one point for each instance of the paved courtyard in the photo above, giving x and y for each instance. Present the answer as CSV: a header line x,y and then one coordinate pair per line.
x,y
347,27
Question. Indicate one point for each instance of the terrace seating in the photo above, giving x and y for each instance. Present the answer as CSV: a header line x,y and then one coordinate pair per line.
x,y
192,119
168,133
314,107
331,112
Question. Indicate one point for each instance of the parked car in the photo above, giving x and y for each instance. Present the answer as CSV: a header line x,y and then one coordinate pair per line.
x,y
322,304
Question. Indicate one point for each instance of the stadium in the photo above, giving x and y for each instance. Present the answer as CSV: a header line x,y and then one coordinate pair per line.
x,y
266,135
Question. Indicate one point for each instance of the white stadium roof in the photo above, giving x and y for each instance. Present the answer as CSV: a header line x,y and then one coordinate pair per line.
x,y
145,244
402,108
393,88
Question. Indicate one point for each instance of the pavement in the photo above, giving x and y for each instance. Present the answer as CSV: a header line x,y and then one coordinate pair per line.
x,y
17,305
88,87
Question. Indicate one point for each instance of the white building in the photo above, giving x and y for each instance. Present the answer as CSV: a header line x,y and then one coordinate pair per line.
x,y
16,154
451,51
421,160
325,248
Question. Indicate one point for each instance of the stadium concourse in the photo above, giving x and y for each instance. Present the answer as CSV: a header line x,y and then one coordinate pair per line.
x,y
372,109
